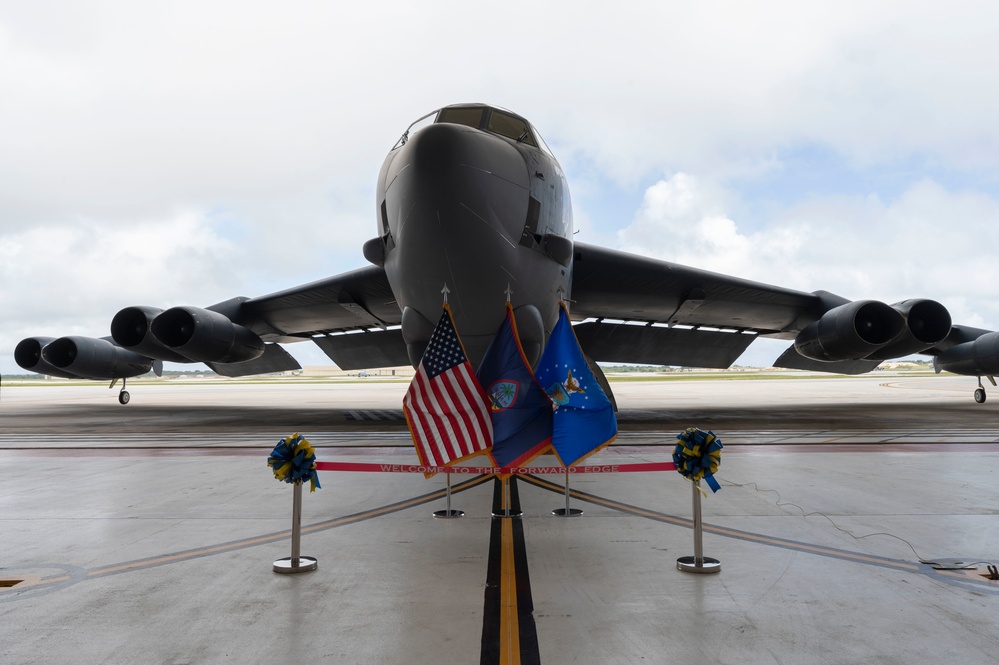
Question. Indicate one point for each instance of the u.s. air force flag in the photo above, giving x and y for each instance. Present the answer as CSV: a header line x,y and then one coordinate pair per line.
x,y
445,406
584,420
521,412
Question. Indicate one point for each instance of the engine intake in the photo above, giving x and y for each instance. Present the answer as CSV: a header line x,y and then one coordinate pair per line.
x,y
205,336
28,355
850,332
130,329
927,323
89,358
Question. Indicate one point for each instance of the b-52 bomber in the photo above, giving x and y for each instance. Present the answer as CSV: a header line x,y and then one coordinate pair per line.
x,y
471,197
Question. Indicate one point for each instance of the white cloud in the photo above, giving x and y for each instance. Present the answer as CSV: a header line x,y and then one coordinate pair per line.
x,y
71,278
683,219
267,124
929,242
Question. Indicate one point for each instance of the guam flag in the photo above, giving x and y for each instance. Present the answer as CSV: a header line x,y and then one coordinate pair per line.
x,y
521,411
584,418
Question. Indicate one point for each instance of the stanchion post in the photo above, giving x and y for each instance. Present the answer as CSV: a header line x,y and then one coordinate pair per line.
x,y
447,513
698,563
296,563
567,511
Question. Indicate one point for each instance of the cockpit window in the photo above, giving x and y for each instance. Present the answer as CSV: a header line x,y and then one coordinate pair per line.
x,y
470,117
479,117
510,127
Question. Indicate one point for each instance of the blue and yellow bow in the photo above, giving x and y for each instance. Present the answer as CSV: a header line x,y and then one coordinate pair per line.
x,y
697,455
294,461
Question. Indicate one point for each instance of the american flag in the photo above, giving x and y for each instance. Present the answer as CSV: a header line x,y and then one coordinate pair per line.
x,y
445,406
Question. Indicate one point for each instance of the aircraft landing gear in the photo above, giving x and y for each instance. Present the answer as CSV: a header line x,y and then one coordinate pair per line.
x,y
980,391
123,395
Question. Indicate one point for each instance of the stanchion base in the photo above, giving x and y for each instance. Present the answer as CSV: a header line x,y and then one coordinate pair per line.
x,y
708,565
511,513
449,514
567,512
305,564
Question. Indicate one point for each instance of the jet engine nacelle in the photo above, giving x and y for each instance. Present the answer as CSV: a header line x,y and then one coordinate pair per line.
x,y
130,329
927,323
28,355
206,336
850,332
89,358
977,357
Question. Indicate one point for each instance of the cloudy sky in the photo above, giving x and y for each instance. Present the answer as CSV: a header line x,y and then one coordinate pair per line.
x,y
187,152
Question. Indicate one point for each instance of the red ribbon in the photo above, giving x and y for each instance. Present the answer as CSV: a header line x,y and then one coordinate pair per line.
x,y
491,470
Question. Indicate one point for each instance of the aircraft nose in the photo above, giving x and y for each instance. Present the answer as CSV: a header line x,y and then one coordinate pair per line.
x,y
440,148
461,172
456,203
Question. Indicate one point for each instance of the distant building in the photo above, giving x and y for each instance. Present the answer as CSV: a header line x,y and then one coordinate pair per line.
x,y
333,371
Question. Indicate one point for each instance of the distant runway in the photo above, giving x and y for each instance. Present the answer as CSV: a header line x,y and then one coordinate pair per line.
x,y
146,533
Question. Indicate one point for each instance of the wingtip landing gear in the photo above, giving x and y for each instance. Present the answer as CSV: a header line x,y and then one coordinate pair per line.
x,y
980,391
123,395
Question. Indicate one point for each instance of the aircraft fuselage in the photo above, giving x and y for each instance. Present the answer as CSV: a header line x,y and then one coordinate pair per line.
x,y
475,202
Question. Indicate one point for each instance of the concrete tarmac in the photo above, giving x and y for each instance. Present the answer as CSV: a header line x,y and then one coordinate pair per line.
x,y
147,533
842,403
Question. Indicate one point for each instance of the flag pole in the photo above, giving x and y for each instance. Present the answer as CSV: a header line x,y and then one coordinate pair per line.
x,y
503,509
506,496
506,509
567,511
698,563
447,513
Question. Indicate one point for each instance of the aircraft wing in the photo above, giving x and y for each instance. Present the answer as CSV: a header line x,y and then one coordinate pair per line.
x,y
668,314
352,317
637,310
348,316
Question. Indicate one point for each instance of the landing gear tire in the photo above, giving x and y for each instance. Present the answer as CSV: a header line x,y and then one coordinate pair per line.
x,y
123,397
980,395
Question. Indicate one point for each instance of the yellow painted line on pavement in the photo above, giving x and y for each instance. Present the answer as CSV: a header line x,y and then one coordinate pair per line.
x,y
509,615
